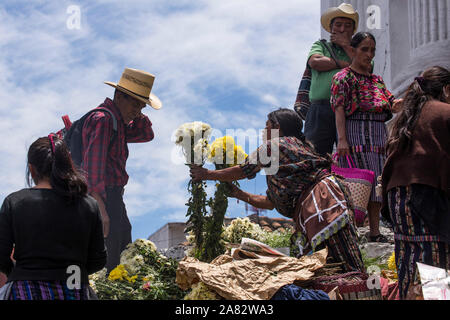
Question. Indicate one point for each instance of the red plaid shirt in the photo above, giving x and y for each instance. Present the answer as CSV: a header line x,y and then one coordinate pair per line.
x,y
103,168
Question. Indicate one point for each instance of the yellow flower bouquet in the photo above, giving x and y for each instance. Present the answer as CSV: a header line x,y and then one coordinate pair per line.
x,y
224,153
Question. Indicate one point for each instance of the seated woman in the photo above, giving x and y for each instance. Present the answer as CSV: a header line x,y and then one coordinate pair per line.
x,y
416,177
55,228
302,189
362,105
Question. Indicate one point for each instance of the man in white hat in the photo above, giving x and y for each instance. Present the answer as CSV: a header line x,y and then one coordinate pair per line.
x,y
320,127
105,152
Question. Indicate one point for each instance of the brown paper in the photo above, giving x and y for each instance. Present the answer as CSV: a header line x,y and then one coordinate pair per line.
x,y
248,279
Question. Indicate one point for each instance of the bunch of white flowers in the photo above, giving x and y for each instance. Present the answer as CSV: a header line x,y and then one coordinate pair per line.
x,y
133,264
193,138
200,151
243,228
195,129
132,258
144,243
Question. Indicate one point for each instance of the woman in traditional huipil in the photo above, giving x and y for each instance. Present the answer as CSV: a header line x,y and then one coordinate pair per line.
x,y
300,186
362,105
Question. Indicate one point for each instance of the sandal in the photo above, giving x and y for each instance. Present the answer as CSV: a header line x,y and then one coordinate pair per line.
x,y
379,238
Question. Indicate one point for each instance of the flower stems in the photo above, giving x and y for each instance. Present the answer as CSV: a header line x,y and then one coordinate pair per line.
x,y
214,245
196,214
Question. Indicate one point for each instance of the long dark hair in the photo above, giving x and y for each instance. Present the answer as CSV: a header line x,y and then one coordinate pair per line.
x,y
289,122
430,86
51,159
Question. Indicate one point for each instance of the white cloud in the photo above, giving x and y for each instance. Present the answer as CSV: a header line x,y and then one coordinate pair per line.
x,y
205,55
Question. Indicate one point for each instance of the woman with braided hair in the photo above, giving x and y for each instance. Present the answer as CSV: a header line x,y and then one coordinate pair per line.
x,y
416,177
54,227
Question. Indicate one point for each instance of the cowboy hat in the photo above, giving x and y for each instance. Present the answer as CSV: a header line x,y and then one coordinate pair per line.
x,y
345,10
137,84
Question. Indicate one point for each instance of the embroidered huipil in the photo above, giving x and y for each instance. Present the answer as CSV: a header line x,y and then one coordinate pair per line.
x,y
105,164
360,93
298,168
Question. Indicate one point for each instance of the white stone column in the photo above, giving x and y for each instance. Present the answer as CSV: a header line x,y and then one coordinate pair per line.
x,y
428,20
428,37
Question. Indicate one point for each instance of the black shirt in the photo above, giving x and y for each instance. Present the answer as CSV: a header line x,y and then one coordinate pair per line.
x,y
49,235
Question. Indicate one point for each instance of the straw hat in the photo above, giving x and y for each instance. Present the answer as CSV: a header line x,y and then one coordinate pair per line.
x,y
138,84
345,10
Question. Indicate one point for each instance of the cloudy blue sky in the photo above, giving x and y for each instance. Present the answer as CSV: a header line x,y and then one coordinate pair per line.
x,y
227,63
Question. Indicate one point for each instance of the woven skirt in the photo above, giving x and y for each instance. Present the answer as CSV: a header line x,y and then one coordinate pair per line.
x,y
413,241
367,136
343,247
45,290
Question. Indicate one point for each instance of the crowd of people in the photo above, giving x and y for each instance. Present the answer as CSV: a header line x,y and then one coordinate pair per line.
x,y
78,217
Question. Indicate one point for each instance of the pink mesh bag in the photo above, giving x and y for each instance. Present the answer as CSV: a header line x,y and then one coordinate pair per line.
x,y
359,182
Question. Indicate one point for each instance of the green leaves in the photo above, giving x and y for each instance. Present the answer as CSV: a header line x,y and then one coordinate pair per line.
x,y
214,245
196,214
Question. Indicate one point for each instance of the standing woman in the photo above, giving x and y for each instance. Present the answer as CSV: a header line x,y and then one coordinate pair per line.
x,y
54,227
299,186
362,105
416,177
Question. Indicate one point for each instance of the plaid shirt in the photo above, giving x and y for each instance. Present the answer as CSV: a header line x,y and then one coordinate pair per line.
x,y
103,168
299,166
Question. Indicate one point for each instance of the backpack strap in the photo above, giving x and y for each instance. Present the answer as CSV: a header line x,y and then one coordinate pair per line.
x,y
105,110
99,108
331,51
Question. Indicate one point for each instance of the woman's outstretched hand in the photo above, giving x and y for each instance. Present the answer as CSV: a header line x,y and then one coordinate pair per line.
x,y
234,191
198,173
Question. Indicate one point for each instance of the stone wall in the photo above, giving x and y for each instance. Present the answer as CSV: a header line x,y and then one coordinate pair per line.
x,y
169,235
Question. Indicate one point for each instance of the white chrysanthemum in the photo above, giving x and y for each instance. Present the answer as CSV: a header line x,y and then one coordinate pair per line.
x,y
149,277
242,228
180,134
190,237
134,264
144,243
133,249
128,254
195,129
193,137
200,151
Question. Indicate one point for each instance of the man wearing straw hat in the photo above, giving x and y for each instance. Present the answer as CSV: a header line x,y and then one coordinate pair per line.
x,y
104,158
341,22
